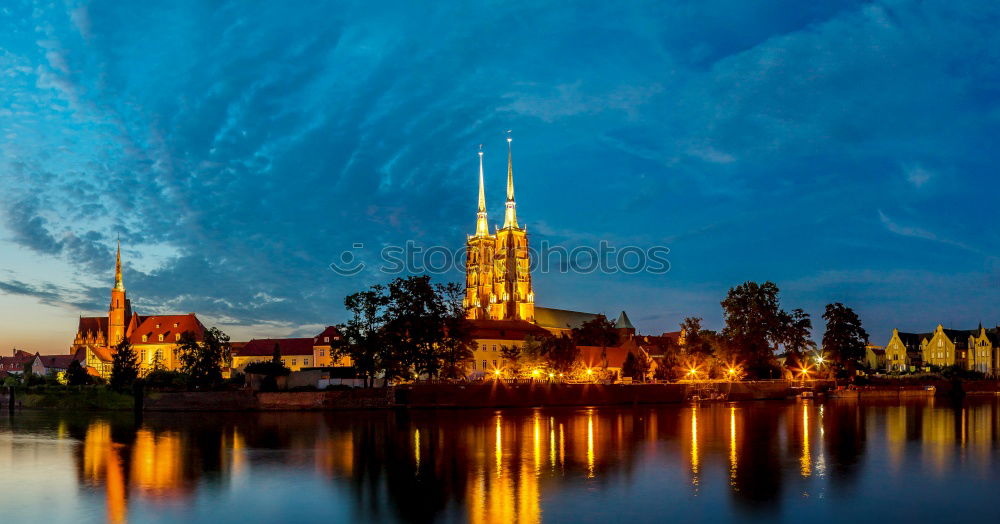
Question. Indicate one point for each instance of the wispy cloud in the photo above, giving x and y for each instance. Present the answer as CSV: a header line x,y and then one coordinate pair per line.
x,y
238,153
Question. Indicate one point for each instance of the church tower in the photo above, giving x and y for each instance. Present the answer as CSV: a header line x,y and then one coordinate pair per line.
x,y
515,299
479,260
118,311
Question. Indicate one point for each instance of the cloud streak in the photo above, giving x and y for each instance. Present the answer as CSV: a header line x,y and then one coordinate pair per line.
x,y
238,153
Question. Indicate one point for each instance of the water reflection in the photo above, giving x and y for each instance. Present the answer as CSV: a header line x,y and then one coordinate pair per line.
x,y
750,459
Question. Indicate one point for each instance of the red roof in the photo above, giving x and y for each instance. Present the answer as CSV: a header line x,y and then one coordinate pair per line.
x,y
590,356
327,336
167,325
16,362
103,354
95,325
57,361
264,347
505,329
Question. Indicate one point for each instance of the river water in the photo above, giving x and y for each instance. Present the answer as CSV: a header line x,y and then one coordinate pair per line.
x,y
795,461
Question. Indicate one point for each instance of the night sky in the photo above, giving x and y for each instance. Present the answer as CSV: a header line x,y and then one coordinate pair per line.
x,y
845,150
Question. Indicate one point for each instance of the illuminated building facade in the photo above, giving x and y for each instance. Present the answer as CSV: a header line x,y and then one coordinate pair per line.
x,y
155,339
972,349
498,273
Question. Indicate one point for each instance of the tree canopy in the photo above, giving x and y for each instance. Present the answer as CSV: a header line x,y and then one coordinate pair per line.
x,y
845,339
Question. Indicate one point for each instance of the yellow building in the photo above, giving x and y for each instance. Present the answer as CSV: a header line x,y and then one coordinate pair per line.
x,y
875,357
498,273
323,350
296,353
983,350
904,351
491,336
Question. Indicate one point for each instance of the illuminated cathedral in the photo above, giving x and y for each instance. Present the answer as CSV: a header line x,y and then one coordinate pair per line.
x,y
498,273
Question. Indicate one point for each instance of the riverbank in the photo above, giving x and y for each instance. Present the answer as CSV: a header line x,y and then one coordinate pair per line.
x,y
480,395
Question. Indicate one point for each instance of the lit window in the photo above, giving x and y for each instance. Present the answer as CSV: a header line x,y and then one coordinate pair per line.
x,y
161,337
177,337
157,326
176,324
326,339
145,338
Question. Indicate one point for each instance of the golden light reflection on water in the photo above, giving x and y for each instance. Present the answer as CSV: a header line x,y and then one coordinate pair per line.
x,y
733,460
694,445
416,447
590,443
495,466
805,462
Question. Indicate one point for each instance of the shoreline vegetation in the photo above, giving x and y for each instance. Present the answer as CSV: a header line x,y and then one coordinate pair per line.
x,y
487,394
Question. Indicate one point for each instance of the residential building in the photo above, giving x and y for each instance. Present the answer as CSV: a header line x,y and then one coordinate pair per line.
x,y
490,337
14,364
904,351
296,353
875,357
44,365
324,349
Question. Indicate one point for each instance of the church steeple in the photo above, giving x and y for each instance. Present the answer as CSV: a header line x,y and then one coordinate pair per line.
x,y
510,213
119,285
119,309
482,225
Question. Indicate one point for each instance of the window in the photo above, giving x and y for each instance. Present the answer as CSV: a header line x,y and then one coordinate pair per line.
x,y
326,339
940,343
473,365
145,338
494,363
322,352
305,362
176,324
142,355
161,337
157,326
484,347
293,361
177,337
484,365
159,354
494,347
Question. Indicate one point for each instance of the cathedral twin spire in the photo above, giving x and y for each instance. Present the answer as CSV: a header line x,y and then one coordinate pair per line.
x,y
510,210
498,265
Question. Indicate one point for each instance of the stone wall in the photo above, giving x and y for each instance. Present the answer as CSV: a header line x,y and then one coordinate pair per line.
x,y
499,394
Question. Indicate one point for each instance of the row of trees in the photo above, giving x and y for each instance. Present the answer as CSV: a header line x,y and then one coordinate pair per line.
x,y
413,327
409,327
757,330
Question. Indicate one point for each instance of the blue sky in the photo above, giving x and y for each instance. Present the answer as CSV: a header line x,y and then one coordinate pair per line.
x,y
845,150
